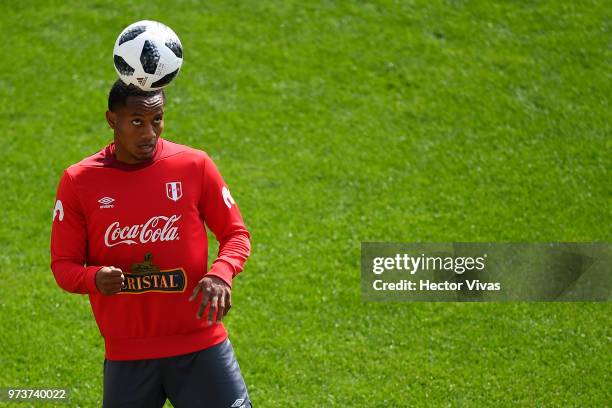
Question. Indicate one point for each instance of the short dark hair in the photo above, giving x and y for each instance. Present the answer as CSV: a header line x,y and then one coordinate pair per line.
x,y
117,97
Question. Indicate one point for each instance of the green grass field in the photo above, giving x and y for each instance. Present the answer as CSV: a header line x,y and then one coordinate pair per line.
x,y
334,123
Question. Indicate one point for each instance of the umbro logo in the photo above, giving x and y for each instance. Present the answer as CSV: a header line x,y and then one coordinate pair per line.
x,y
238,403
227,197
58,210
106,202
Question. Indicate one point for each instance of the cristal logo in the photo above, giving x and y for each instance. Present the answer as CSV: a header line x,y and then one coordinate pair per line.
x,y
159,228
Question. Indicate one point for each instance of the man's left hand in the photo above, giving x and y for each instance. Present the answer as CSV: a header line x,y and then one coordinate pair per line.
x,y
216,292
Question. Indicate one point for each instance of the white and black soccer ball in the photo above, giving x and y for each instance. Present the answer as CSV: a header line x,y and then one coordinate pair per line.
x,y
148,54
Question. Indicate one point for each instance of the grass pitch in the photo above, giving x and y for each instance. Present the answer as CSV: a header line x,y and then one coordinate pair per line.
x,y
334,123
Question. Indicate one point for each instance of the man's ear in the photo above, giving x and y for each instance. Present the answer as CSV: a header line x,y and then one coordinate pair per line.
x,y
111,118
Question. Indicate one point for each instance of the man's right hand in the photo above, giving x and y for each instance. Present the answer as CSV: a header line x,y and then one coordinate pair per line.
x,y
109,280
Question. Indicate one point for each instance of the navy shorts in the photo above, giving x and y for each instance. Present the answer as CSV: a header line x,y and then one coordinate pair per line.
x,y
209,378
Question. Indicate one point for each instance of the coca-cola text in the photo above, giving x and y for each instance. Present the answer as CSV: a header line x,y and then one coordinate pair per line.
x,y
158,228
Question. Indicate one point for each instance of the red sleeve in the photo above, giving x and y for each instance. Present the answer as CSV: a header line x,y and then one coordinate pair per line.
x,y
222,216
69,242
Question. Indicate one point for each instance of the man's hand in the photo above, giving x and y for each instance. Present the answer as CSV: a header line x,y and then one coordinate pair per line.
x,y
109,280
216,292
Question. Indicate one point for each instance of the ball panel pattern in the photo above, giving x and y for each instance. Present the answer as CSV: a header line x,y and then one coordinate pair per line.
x,y
149,57
131,34
175,47
123,67
165,80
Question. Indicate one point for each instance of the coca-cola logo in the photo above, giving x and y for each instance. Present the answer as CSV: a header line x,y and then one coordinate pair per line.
x,y
158,228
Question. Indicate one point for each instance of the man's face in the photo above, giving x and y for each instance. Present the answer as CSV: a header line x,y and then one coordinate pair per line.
x,y
137,127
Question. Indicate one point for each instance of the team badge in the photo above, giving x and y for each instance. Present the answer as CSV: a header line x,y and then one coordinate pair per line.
x,y
174,190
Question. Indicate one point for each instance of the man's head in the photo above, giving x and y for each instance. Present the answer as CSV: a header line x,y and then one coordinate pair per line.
x,y
137,117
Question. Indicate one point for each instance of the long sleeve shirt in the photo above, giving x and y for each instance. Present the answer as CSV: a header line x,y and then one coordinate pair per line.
x,y
149,220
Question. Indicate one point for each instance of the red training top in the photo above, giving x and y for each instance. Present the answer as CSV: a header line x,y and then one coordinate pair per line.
x,y
148,220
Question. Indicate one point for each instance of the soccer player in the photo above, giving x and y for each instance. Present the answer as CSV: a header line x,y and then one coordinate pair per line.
x,y
129,231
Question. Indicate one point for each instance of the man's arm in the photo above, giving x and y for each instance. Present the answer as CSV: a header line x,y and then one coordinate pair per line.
x,y
69,242
222,216
218,209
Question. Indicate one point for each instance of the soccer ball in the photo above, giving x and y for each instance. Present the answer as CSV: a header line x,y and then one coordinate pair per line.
x,y
147,54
